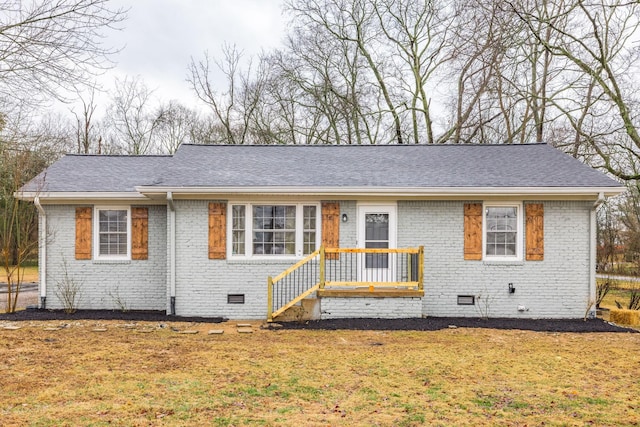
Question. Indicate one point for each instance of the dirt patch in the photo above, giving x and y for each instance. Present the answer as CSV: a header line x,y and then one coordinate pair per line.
x,y
438,323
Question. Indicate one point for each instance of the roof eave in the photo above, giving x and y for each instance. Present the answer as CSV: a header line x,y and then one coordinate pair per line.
x,y
65,196
145,194
386,191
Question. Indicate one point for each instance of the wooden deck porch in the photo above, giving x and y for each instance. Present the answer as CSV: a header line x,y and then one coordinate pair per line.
x,y
348,272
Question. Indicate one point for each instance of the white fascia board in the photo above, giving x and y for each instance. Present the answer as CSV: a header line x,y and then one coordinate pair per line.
x,y
387,191
49,197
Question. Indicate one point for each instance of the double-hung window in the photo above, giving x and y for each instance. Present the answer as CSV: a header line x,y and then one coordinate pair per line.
x,y
112,233
262,229
503,231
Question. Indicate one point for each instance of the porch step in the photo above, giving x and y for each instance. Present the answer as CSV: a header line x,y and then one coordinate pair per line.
x,y
309,309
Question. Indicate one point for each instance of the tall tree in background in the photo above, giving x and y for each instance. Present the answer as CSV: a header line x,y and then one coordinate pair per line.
x,y
234,106
47,48
176,126
50,46
134,117
85,130
599,41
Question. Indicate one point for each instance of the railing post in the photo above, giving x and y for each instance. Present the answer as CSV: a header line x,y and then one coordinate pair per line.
x,y
421,268
269,299
322,266
409,269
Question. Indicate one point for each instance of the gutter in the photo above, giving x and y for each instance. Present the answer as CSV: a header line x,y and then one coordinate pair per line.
x,y
593,247
462,192
172,254
42,254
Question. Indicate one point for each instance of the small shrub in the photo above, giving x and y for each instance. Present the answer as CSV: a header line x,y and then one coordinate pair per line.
x,y
634,299
484,302
118,300
602,289
68,290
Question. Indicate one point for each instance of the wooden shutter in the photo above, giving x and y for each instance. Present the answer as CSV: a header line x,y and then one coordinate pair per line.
x,y
331,227
217,230
139,233
83,233
534,232
473,231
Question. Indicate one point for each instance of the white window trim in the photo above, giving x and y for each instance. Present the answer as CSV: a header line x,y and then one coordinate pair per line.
x,y
248,232
519,231
96,233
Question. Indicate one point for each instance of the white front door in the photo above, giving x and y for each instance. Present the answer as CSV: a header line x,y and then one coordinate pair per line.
x,y
377,229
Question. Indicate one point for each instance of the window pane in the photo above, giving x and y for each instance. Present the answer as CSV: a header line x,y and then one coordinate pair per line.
x,y
238,243
501,236
377,260
309,242
309,230
112,229
377,226
309,218
267,219
238,216
238,221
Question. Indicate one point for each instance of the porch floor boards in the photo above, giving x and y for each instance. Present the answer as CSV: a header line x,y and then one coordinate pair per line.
x,y
366,293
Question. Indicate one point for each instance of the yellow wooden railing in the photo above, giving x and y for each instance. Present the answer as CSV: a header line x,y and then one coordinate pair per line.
x,y
345,268
279,300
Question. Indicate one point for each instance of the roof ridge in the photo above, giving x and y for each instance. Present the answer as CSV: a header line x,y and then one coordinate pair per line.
x,y
117,155
190,144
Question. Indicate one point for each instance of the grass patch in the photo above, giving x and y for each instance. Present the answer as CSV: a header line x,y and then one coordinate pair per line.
x,y
620,291
449,377
30,274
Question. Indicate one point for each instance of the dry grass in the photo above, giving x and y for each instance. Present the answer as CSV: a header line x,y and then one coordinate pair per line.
x,y
30,274
625,317
148,375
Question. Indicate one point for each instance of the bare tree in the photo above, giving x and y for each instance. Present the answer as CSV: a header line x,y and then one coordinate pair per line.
x,y
24,152
599,41
234,106
18,220
176,123
86,138
47,47
354,23
133,119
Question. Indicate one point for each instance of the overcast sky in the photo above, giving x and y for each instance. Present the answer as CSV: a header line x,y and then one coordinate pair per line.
x,y
160,36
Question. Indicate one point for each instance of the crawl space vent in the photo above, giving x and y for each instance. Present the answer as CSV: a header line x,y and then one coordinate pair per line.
x,y
466,300
235,298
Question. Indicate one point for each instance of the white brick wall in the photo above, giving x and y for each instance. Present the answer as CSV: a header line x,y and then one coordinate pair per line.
x,y
348,230
382,308
202,285
555,287
139,285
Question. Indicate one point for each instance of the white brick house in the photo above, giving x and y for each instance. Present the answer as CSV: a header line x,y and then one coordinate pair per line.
x,y
506,230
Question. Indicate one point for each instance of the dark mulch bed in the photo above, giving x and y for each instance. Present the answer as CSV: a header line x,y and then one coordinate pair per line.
x,y
151,316
416,324
438,323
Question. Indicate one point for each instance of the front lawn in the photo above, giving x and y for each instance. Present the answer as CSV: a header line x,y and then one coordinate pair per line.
x,y
620,291
148,373
29,274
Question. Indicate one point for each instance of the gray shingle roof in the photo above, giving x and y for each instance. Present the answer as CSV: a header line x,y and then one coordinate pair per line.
x,y
393,166
88,173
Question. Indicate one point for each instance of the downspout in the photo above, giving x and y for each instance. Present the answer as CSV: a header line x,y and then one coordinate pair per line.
x,y
594,246
42,253
172,254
